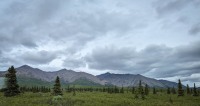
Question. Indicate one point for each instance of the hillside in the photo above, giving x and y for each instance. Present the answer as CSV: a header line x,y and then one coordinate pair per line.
x,y
133,80
66,76
35,77
129,80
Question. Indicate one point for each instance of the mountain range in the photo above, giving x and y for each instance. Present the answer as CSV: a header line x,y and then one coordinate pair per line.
x,y
35,76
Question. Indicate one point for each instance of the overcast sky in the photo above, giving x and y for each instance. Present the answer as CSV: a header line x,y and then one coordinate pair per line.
x,y
156,38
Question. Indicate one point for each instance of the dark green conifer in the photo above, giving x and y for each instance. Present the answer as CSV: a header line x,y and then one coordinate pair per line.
x,y
116,89
12,88
180,90
57,87
140,88
122,89
195,91
154,90
173,90
68,89
168,90
146,89
133,90
74,90
188,89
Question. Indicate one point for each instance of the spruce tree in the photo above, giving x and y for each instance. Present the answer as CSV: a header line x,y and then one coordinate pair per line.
x,y
116,89
57,87
168,90
195,91
191,90
154,90
68,89
133,90
188,89
173,91
180,90
12,88
74,90
127,89
146,89
136,92
140,88
122,89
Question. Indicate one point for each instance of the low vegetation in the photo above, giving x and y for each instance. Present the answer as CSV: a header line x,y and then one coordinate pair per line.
x,y
98,99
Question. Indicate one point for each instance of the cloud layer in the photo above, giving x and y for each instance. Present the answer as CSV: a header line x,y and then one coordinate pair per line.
x,y
155,38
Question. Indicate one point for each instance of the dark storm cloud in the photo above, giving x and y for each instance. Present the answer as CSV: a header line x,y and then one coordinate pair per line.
x,y
157,61
21,22
27,23
110,58
195,29
126,59
13,41
40,57
30,24
184,11
170,6
48,8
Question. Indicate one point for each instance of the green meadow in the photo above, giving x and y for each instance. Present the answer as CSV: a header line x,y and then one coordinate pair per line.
x,y
98,99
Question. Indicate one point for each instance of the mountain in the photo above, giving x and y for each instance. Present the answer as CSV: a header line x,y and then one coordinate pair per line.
x,y
133,80
170,84
35,77
129,80
66,76
2,73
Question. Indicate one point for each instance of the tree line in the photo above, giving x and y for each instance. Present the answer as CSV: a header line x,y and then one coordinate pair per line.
x,y
13,89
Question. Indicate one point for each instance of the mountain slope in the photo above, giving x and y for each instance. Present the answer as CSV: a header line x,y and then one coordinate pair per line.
x,y
133,80
129,80
34,76
170,84
67,76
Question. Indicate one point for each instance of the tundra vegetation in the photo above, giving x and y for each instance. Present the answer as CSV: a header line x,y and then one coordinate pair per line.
x,y
74,95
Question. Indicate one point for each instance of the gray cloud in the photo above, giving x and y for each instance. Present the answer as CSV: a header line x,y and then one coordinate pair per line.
x,y
171,6
47,9
76,33
110,58
73,63
195,29
158,61
126,59
40,57
21,22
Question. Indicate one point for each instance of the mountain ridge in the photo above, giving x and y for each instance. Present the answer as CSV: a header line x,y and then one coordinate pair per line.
x,y
70,76
67,76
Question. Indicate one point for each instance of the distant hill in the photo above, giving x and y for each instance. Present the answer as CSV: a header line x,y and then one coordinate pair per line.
x,y
133,80
129,80
2,73
170,84
67,76
35,77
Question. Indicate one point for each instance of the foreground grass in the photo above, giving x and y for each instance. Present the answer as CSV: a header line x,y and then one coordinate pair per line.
x,y
97,99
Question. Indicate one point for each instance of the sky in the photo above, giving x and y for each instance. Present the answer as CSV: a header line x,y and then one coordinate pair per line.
x,y
155,38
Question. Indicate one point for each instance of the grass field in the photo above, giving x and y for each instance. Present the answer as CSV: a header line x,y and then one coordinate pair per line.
x,y
97,99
